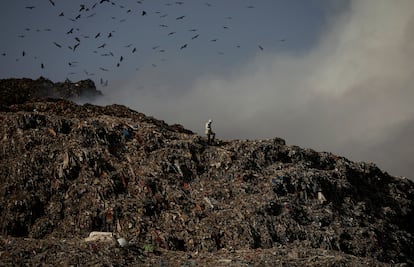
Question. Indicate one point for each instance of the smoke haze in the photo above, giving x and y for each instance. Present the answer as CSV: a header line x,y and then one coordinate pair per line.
x,y
350,94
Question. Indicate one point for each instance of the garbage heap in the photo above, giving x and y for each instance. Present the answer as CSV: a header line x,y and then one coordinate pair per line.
x,y
67,170
15,91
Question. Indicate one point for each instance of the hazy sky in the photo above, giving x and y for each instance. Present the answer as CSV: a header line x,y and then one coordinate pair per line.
x,y
332,75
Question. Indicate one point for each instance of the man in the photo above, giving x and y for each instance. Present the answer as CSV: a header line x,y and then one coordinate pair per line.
x,y
210,134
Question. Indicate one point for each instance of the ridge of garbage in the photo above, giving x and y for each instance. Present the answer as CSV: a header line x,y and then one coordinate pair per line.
x,y
67,170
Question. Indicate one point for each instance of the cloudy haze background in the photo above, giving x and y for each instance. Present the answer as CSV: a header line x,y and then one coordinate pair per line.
x,y
332,75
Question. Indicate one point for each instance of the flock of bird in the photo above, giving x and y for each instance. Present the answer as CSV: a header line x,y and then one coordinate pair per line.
x,y
75,36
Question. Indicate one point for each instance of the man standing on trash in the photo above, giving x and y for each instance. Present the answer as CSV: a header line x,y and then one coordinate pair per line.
x,y
210,134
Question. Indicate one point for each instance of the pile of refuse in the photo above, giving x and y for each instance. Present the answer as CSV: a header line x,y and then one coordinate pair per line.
x,y
14,91
86,185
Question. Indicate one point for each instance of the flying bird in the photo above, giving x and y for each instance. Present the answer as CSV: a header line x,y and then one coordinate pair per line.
x,y
195,36
82,7
42,66
110,35
77,39
75,46
58,45
163,25
134,50
103,69
23,53
143,13
183,46
30,7
121,58
214,40
181,17
78,16
171,33
97,35
53,3
102,45
260,47
70,31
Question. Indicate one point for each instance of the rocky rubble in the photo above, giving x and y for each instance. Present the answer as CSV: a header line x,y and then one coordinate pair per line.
x,y
67,170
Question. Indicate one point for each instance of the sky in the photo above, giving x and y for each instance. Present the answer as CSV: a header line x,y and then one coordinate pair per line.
x,y
331,75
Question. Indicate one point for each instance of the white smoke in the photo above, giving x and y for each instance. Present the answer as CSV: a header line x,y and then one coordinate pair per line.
x,y
349,95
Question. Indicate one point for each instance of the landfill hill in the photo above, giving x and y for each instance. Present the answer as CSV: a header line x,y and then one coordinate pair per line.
x,y
67,170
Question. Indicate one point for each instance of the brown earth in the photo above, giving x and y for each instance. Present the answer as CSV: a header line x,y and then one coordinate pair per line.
x,y
67,170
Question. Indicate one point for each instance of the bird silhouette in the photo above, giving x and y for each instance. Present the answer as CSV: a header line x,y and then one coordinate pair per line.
x,y
109,35
194,37
30,7
23,53
77,39
183,46
53,3
103,69
42,65
102,45
181,17
58,45
144,13
171,33
260,47
134,50
70,31
97,35
121,58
